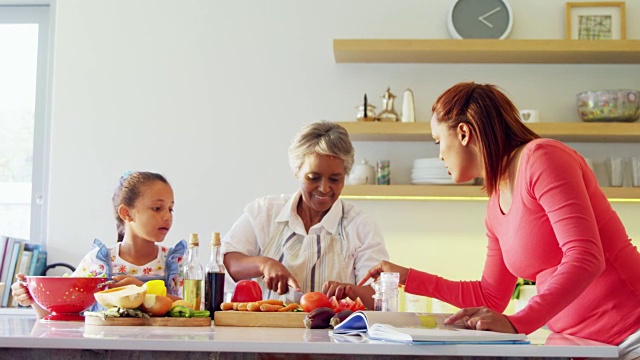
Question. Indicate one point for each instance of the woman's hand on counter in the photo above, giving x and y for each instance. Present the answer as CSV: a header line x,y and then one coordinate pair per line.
x,y
482,318
385,266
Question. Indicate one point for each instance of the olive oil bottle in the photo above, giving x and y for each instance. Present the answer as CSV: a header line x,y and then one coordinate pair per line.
x,y
214,282
193,275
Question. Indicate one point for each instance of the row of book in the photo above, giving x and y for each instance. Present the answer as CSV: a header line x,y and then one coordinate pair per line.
x,y
18,256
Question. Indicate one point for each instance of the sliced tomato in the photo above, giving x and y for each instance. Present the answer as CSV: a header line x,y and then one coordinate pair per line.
x,y
335,304
346,304
358,305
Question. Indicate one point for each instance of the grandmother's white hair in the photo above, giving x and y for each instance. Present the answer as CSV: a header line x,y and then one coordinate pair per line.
x,y
322,137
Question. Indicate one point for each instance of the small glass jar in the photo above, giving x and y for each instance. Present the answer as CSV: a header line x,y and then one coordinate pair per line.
x,y
386,288
383,172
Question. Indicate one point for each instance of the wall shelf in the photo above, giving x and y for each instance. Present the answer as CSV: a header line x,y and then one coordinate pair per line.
x,y
454,192
486,51
563,131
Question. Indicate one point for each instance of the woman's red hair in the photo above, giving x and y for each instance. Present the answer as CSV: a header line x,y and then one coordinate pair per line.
x,y
493,119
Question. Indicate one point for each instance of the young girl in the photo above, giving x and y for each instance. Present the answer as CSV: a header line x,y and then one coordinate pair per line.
x,y
143,206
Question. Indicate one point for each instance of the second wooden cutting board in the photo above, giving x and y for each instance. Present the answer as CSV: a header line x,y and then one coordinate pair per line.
x,y
266,319
154,321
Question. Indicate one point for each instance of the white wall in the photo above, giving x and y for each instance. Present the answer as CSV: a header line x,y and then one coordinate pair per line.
x,y
210,94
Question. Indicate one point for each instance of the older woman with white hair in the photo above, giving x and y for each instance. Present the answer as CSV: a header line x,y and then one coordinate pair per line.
x,y
311,240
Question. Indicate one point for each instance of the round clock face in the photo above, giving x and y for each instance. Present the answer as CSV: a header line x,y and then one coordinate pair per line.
x,y
480,19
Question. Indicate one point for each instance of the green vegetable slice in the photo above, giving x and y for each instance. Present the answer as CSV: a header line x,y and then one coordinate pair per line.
x,y
181,311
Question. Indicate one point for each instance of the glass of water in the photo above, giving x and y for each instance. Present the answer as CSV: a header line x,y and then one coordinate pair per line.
x,y
634,165
614,171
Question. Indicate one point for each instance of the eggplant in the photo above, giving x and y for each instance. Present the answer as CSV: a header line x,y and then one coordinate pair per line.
x,y
339,317
318,318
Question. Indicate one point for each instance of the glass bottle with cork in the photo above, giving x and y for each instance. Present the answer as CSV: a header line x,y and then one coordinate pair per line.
x,y
193,275
214,282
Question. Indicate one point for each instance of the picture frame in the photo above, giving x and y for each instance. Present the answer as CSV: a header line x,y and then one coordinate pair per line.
x,y
604,20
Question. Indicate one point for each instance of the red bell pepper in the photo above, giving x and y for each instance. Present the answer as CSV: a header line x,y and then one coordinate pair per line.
x,y
247,291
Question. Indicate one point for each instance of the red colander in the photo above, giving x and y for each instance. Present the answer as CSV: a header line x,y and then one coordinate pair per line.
x,y
63,296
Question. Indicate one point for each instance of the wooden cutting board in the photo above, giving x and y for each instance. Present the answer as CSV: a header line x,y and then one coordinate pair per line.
x,y
154,321
266,319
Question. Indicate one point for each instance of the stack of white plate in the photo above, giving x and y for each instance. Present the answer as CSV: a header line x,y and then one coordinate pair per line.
x,y
430,171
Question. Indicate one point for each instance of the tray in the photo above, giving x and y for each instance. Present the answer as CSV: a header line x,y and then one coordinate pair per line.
x,y
154,321
265,319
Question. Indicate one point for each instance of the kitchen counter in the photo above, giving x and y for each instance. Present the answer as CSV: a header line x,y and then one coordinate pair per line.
x,y
23,336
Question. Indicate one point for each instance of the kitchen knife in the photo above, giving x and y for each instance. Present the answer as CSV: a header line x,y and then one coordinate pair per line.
x,y
292,296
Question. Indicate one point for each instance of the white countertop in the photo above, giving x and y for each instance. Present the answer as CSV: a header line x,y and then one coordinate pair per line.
x,y
25,331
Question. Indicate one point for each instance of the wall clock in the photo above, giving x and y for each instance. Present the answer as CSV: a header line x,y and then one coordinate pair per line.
x,y
480,19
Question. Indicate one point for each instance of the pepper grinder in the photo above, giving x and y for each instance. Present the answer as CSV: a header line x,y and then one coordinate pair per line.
x,y
366,112
388,114
408,108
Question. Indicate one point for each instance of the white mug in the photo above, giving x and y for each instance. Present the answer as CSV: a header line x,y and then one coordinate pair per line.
x,y
529,115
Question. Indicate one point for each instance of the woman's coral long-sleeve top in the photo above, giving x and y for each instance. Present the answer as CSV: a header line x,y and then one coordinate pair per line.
x,y
561,232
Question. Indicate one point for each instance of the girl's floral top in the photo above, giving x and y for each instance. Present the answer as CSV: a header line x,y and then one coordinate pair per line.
x,y
106,262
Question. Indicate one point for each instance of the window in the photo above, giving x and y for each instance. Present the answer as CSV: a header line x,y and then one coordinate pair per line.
x,y
24,96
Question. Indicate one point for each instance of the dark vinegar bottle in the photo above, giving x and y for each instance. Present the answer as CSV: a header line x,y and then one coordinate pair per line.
x,y
214,282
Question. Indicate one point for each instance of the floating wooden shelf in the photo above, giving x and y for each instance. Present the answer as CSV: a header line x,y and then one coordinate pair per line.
x,y
487,51
493,52
563,131
415,192
454,192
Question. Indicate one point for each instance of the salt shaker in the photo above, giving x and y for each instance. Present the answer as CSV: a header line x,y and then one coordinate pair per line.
x,y
408,108
386,288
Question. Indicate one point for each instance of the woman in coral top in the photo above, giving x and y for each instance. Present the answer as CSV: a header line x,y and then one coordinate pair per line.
x,y
547,220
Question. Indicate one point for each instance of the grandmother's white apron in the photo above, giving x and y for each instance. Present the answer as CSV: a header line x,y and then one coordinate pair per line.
x,y
312,260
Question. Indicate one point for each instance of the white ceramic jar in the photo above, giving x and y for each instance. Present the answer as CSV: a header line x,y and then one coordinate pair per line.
x,y
362,174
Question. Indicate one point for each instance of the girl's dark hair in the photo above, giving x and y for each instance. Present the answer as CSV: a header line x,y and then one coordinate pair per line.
x,y
128,191
493,119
